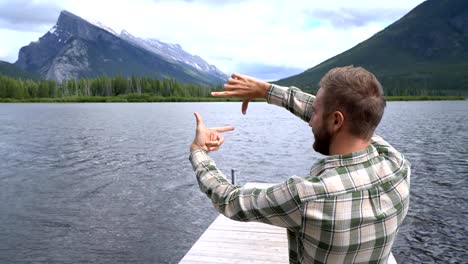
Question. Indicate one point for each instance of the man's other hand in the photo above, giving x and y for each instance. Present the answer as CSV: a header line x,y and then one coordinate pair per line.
x,y
244,87
208,139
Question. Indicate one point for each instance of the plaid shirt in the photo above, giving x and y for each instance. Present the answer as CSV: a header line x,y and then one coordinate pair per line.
x,y
348,210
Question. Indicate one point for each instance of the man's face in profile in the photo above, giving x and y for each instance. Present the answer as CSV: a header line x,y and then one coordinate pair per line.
x,y
319,126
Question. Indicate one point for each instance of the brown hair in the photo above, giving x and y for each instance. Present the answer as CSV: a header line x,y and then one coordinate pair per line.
x,y
358,95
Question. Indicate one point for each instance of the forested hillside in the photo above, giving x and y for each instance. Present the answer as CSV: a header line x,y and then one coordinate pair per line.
x,y
423,53
100,86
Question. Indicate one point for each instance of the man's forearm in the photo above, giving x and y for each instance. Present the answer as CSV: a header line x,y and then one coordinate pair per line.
x,y
277,205
293,99
210,178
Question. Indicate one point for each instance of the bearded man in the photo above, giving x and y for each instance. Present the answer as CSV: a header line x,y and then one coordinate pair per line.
x,y
351,206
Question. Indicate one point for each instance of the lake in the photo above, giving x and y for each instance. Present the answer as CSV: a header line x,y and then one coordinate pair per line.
x,y
111,183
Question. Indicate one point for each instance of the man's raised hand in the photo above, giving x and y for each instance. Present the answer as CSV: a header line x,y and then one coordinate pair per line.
x,y
244,87
208,139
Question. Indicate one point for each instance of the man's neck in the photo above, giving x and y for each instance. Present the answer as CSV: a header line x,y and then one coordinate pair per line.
x,y
345,144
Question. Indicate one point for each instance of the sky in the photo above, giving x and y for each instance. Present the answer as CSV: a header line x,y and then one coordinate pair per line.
x,y
267,39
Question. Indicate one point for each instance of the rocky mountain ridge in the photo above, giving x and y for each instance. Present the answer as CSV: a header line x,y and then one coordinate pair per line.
x,y
78,48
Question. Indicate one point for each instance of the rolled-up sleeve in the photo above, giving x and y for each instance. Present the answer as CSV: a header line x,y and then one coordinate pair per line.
x,y
278,205
293,99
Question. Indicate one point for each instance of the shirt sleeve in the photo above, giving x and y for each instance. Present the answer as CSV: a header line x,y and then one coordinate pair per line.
x,y
278,205
293,99
388,151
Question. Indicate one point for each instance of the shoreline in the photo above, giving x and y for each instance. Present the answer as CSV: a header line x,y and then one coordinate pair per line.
x,y
160,99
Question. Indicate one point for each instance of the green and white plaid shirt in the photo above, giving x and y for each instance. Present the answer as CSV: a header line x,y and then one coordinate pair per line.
x,y
348,210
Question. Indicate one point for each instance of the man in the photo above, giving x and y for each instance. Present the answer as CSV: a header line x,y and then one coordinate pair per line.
x,y
350,207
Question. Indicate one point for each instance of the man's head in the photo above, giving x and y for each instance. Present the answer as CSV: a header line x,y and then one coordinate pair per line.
x,y
350,101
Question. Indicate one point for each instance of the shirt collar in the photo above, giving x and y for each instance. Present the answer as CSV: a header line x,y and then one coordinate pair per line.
x,y
344,160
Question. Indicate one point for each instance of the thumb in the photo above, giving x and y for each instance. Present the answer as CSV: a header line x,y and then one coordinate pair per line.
x,y
199,119
245,104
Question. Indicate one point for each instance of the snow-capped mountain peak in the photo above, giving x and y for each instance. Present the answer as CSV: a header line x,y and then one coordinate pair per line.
x,y
172,52
77,47
101,25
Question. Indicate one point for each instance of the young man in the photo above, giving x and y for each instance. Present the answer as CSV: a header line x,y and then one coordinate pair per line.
x,y
350,207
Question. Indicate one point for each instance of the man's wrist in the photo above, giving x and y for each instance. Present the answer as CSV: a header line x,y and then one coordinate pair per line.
x,y
194,147
265,87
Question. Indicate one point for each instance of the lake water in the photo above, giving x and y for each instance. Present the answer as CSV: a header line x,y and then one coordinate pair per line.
x,y
111,183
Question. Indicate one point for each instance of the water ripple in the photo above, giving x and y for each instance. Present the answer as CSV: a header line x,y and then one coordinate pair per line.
x,y
111,183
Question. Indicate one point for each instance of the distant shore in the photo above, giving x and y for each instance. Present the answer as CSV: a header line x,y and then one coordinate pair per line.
x,y
161,99
425,98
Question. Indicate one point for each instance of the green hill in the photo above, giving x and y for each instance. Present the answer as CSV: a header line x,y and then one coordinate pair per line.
x,y
425,52
9,69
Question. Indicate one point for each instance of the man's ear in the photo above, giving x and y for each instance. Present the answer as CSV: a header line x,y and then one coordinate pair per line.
x,y
338,120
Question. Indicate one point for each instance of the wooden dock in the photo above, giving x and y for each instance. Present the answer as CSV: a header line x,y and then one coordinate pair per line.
x,y
227,241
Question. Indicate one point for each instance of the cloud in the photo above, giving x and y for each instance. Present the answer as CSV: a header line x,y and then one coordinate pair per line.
x,y
210,2
16,39
268,39
267,72
28,15
348,17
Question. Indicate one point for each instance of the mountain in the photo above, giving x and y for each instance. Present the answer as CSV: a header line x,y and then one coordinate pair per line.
x,y
11,70
79,48
426,50
173,53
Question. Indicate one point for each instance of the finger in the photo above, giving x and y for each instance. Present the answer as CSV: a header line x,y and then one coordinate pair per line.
x,y
233,81
238,76
223,129
213,143
221,140
213,149
245,104
199,119
214,136
223,94
235,88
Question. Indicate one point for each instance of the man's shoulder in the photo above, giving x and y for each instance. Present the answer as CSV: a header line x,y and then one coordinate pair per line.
x,y
382,146
388,153
380,163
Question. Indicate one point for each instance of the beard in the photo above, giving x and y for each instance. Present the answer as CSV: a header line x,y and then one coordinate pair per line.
x,y
322,140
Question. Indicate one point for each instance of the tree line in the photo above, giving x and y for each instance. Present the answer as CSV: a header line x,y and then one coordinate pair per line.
x,y
100,86
146,89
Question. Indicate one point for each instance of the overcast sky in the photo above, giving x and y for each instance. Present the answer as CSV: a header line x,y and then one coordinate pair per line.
x,y
268,39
